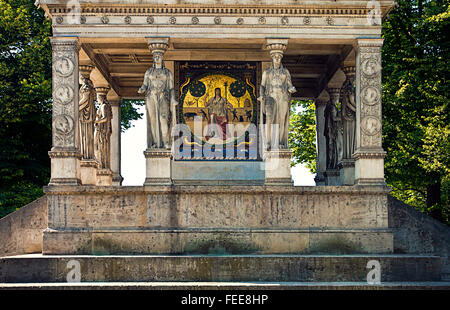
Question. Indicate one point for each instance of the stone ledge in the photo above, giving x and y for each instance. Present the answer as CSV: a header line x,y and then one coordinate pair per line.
x,y
201,189
219,241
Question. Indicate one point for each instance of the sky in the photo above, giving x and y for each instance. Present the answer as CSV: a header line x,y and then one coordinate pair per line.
x,y
133,144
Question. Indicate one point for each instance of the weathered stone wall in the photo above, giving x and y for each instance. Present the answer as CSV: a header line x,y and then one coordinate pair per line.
x,y
217,219
218,207
21,231
415,232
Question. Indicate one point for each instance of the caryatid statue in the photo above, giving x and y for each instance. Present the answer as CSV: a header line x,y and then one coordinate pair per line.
x,y
349,112
159,97
276,89
103,129
332,129
86,113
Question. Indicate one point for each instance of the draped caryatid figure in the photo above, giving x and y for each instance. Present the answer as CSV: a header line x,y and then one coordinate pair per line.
x,y
349,113
103,131
87,117
276,89
159,95
332,130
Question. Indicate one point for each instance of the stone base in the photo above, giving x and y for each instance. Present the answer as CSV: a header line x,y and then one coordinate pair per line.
x,y
217,268
332,177
347,172
218,241
218,172
158,167
88,171
202,219
319,179
65,167
278,167
104,177
369,167
117,180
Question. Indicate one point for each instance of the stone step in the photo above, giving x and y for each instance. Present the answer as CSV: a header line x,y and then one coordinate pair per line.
x,y
38,268
232,286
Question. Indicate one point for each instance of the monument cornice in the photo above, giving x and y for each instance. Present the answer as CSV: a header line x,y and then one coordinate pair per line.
x,y
244,8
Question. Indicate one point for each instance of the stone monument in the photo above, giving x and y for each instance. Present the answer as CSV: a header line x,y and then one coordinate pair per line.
x,y
223,194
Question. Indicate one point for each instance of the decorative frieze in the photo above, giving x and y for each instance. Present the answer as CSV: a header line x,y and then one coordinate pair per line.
x,y
208,10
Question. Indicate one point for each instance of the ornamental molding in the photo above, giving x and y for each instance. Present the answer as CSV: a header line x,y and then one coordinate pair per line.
x,y
170,10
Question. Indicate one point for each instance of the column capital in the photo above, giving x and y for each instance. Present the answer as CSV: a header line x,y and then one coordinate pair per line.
x,y
102,90
115,101
276,45
369,42
350,71
69,42
85,70
334,92
158,44
321,102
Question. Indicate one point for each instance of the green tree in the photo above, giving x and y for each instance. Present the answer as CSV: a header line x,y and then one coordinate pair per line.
x,y
25,106
415,102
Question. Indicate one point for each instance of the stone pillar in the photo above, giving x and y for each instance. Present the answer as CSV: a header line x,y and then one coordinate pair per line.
x,y
321,155
65,155
369,154
347,164
158,161
88,166
104,174
115,141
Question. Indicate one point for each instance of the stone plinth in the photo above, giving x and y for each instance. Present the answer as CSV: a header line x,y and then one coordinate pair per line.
x,y
332,177
230,219
158,167
104,177
347,172
88,171
278,167
218,172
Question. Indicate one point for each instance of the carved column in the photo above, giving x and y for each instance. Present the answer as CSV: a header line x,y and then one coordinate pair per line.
x,y
277,161
320,103
347,163
65,155
369,154
158,161
116,141
88,164
333,150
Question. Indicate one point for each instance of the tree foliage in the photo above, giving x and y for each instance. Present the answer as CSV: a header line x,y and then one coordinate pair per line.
x,y
416,132
25,106
302,134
